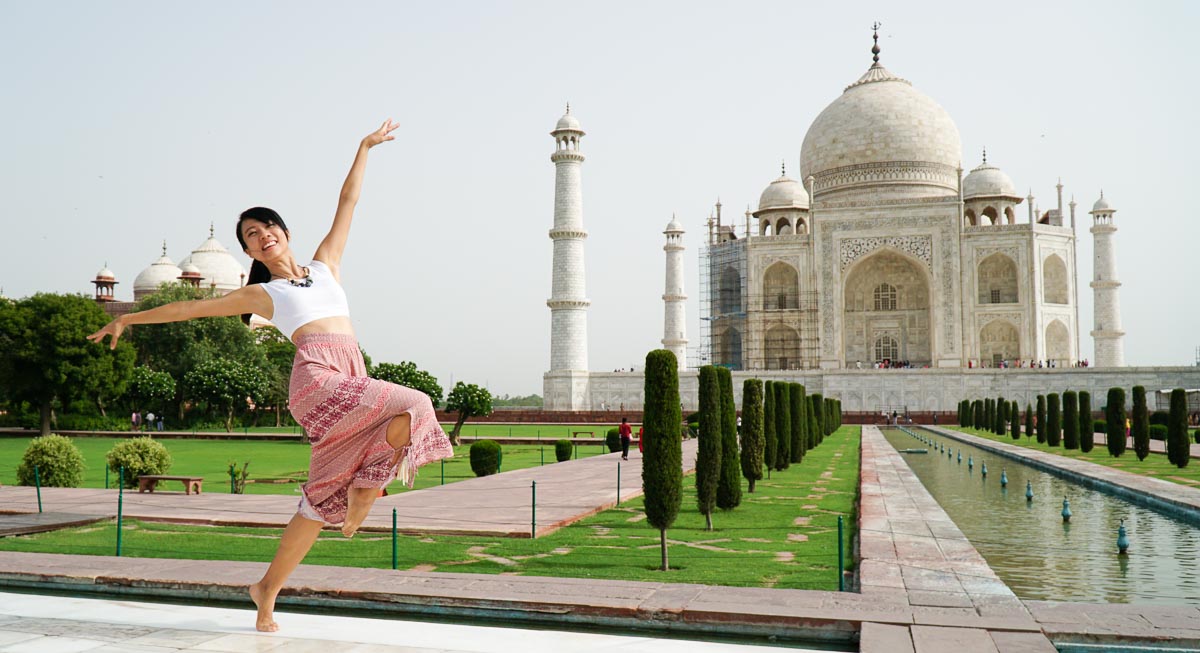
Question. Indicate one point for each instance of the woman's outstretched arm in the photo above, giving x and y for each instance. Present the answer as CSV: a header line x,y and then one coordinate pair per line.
x,y
330,251
249,299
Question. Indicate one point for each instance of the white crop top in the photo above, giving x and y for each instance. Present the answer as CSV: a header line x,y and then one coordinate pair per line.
x,y
296,306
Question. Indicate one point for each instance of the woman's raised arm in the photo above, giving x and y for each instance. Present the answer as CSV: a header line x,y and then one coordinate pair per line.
x,y
248,299
330,250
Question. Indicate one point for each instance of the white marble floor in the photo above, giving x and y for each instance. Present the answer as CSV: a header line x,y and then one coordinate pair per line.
x,y
53,624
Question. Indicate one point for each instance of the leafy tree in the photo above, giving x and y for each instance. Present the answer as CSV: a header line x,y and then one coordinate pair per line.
x,y
662,460
148,388
1114,418
1178,447
407,374
468,400
279,353
753,440
1053,420
137,457
46,355
1041,418
1087,424
783,426
799,422
227,385
523,401
1028,420
1070,420
708,455
1140,427
177,348
770,446
729,487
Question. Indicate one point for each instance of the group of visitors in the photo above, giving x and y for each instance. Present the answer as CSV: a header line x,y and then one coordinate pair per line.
x,y
1031,364
149,421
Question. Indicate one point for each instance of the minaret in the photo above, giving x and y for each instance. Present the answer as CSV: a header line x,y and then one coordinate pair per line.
x,y
568,302
675,318
1108,336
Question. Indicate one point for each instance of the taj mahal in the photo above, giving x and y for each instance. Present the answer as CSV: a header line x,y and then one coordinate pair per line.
x,y
885,253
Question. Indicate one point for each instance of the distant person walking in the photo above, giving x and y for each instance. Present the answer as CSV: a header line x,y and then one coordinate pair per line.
x,y
133,421
150,422
160,422
364,432
626,433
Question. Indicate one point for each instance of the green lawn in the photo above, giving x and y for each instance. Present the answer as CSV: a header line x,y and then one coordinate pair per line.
x,y
287,461
1156,464
784,535
470,429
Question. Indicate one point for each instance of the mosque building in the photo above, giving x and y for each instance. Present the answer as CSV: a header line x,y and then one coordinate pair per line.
x,y
885,255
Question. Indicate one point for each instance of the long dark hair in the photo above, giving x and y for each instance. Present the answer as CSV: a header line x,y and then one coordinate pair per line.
x,y
258,271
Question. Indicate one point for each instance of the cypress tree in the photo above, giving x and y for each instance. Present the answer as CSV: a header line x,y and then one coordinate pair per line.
x,y
1087,423
708,454
987,414
729,487
662,461
753,442
783,426
1177,433
1114,416
818,403
1001,416
1053,420
1014,417
770,445
977,409
814,430
1070,420
1028,420
799,422
1041,419
1140,427
959,413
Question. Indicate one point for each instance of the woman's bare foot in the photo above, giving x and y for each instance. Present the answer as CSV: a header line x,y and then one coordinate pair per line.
x,y
359,502
266,608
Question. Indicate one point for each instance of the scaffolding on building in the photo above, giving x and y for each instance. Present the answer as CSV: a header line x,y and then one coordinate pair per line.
x,y
752,326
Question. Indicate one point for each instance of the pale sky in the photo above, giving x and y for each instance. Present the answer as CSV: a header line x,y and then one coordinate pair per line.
x,y
126,123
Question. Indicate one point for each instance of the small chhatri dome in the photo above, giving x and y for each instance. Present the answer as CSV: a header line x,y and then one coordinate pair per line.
x,y
674,226
1102,204
783,193
568,121
988,181
105,274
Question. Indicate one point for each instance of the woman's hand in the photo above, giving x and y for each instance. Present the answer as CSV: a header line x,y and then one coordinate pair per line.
x,y
384,133
113,329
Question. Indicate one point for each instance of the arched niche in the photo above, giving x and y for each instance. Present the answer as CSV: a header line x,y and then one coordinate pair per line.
x,y
783,226
781,287
1054,280
997,280
999,341
729,348
729,291
782,348
1058,343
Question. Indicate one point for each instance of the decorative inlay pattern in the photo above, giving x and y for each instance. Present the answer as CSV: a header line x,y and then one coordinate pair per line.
x,y
920,247
987,318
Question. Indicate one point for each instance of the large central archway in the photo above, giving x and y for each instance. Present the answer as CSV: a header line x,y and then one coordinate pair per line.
x,y
886,299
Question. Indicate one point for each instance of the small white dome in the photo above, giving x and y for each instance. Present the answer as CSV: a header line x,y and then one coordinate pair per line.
x,y
161,271
783,193
1102,204
674,225
988,181
567,122
106,273
216,265
188,267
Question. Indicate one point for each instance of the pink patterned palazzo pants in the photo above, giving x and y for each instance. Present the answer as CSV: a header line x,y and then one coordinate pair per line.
x,y
346,414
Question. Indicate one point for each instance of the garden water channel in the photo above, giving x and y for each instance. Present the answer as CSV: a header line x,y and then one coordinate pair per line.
x,y
1027,542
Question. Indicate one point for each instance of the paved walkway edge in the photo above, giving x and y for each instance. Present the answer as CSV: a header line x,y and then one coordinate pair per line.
x,y
1178,501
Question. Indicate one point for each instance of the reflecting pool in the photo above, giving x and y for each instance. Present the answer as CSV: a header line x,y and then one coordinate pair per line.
x,y
1030,547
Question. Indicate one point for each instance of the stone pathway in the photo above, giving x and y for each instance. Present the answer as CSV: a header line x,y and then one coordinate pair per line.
x,y
38,522
501,504
1156,446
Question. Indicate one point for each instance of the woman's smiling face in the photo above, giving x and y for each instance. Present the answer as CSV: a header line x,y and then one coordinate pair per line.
x,y
262,241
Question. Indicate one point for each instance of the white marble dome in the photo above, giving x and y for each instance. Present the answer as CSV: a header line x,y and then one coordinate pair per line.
x,y
783,193
674,225
988,181
216,265
161,271
1102,204
568,121
882,132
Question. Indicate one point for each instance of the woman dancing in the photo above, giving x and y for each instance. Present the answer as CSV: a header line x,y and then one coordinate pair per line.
x,y
364,432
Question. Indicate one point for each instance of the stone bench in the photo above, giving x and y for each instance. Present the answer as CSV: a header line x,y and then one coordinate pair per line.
x,y
147,482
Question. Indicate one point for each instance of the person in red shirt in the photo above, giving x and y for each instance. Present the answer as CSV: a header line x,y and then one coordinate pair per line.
x,y
642,439
626,432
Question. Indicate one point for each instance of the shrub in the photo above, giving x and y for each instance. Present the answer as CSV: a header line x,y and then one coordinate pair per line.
x,y
1070,420
59,462
1053,420
1196,436
1140,424
485,457
613,439
1101,426
1153,432
729,488
563,450
1087,425
138,456
1114,419
1157,417
662,460
752,431
1177,435
708,455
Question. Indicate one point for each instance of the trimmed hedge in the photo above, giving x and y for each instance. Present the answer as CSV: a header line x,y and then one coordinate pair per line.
x,y
1101,426
1154,432
563,450
729,488
1114,420
770,446
138,456
612,439
1087,424
1040,425
1070,420
1053,420
1178,447
1014,422
1140,424
752,431
799,422
783,426
59,462
485,457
